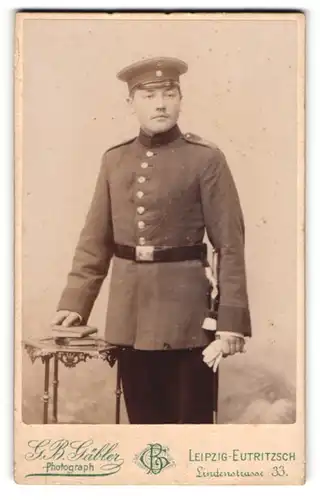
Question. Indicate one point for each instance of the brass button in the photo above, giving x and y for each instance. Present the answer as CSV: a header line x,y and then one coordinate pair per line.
x,y
141,224
149,154
141,210
140,194
141,179
142,241
144,164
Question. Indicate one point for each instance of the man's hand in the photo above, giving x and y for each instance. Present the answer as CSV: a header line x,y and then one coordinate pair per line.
x,y
230,344
66,318
225,344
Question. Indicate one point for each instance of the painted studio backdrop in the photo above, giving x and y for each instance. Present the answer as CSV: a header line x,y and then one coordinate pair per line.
x,y
241,93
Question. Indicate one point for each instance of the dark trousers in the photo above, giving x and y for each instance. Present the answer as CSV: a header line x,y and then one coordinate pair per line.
x,y
167,387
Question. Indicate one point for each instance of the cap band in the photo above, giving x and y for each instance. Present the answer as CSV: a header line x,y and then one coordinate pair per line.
x,y
167,84
155,70
152,77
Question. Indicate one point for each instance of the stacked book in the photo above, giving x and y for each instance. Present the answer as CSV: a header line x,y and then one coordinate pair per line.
x,y
75,336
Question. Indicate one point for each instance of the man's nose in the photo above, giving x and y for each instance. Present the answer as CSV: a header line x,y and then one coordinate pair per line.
x,y
160,103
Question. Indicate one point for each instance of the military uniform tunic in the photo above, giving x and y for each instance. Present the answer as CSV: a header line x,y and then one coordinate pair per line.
x,y
164,190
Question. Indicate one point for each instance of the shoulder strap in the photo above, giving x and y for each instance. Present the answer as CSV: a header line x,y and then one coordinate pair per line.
x,y
123,143
196,139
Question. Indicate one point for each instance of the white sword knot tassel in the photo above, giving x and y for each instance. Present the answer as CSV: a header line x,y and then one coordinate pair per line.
x,y
213,282
212,354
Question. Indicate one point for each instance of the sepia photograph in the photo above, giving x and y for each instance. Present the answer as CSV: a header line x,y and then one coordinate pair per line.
x,y
159,220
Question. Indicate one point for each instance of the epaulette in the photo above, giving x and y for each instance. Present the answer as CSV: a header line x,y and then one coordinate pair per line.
x,y
123,143
196,139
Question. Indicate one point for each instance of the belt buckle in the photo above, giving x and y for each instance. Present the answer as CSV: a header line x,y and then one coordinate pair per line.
x,y
144,253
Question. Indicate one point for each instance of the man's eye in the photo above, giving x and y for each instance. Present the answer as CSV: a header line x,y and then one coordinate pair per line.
x,y
170,94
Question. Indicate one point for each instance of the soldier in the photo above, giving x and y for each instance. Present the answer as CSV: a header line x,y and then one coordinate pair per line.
x,y
155,196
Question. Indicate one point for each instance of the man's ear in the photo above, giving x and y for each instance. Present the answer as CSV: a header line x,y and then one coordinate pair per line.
x,y
129,101
181,104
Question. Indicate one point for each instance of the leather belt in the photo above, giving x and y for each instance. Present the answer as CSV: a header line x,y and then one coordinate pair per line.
x,y
161,253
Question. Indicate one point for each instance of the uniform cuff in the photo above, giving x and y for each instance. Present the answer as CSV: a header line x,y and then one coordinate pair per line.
x,y
230,334
234,319
74,301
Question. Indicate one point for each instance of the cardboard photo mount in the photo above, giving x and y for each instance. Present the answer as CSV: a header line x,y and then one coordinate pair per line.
x,y
245,90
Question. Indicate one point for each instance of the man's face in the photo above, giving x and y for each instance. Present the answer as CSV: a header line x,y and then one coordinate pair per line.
x,y
157,109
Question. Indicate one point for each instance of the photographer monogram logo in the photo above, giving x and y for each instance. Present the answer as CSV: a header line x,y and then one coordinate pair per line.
x,y
154,458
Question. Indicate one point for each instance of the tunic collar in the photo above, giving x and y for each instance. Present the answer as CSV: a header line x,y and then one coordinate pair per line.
x,y
159,139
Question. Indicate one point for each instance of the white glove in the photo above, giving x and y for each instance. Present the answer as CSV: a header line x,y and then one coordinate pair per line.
x,y
214,352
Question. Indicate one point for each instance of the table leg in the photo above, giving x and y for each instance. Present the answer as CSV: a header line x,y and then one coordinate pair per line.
x,y
55,384
118,394
46,389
